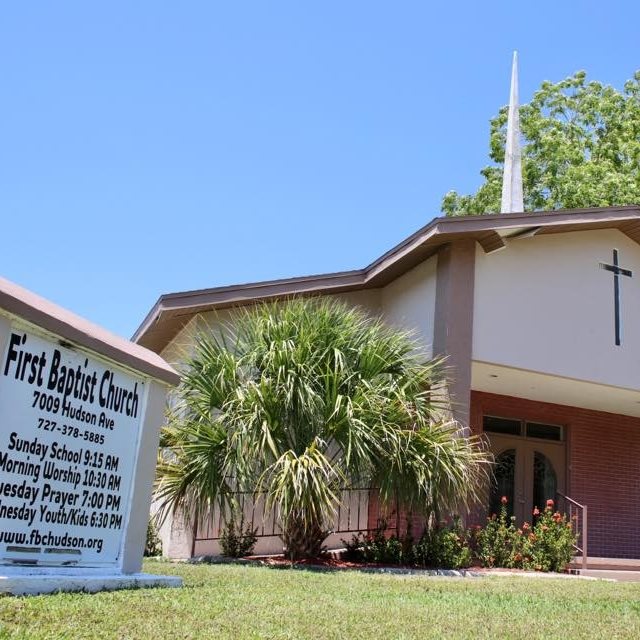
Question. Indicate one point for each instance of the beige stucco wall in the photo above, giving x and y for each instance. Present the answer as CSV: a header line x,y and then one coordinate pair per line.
x,y
409,301
369,299
544,304
178,349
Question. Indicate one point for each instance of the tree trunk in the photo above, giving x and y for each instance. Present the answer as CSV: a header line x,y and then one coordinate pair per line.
x,y
302,541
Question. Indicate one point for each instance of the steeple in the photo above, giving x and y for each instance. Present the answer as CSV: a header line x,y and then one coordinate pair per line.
x,y
512,177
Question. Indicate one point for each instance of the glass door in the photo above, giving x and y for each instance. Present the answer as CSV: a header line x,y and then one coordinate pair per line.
x,y
529,466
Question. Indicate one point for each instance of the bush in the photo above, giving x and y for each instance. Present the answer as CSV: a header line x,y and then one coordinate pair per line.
x,y
498,543
550,546
380,549
353,548
237,541
153,544
545,546
444,547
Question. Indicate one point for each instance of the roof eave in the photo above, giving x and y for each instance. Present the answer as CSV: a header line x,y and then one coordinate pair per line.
x,y
484,228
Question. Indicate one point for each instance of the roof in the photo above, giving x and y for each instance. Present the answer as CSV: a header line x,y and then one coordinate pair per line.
x,y
172,311
43,313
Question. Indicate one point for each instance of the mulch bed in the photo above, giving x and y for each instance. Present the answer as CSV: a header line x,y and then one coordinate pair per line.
x,y
335,563
329,563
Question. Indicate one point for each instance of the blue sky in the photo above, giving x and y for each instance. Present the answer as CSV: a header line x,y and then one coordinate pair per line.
x,y
153,147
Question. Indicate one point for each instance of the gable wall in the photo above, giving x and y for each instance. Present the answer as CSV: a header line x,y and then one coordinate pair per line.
x,y
179,348
544,304
409,301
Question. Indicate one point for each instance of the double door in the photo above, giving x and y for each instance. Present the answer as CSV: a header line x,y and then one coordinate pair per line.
x,y
528,472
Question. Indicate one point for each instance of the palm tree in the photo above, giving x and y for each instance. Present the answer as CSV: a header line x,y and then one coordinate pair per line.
x,y
302,399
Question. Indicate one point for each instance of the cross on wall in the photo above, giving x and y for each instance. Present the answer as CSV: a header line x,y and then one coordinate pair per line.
x,y
617,271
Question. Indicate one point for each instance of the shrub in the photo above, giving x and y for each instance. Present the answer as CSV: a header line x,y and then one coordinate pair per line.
x,y
550,545
153,544
498,543
353,548
444,547
545,546
237,541
380,549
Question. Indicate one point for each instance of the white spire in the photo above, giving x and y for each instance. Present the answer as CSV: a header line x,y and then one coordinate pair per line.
x,y
512,178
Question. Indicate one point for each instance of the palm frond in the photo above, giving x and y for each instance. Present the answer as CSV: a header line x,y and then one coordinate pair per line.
x,y
304,397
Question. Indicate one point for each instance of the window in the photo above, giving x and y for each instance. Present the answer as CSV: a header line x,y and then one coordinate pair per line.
x,y
511,427
504,426
544,431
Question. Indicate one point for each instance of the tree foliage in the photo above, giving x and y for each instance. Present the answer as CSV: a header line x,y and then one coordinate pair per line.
x,y
299,400
581,149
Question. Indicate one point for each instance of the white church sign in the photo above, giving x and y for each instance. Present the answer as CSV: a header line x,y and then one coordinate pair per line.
x,y
80,412
68,453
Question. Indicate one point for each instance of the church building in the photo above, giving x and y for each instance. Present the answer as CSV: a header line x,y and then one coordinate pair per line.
x,y
537,314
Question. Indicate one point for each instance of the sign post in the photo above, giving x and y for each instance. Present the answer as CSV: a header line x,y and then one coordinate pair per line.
x,y
80,412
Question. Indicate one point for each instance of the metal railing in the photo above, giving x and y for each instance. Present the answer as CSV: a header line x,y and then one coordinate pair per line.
x,y
356,510
577,514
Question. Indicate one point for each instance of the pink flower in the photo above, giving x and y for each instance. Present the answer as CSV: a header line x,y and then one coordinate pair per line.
x,y
550,503
504,500
536,511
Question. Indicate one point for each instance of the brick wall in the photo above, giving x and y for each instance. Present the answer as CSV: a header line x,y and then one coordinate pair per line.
x,y
407,522
603,465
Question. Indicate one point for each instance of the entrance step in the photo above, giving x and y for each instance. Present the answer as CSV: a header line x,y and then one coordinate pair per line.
x,y
628,575
606,564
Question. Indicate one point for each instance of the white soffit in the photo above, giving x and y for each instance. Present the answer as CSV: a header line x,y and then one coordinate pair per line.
x,y
531,385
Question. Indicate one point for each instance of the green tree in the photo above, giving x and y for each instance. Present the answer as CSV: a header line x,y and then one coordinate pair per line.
x,y
302,399
581,149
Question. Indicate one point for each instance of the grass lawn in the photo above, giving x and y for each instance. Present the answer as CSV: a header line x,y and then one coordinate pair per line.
x,y
248,602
